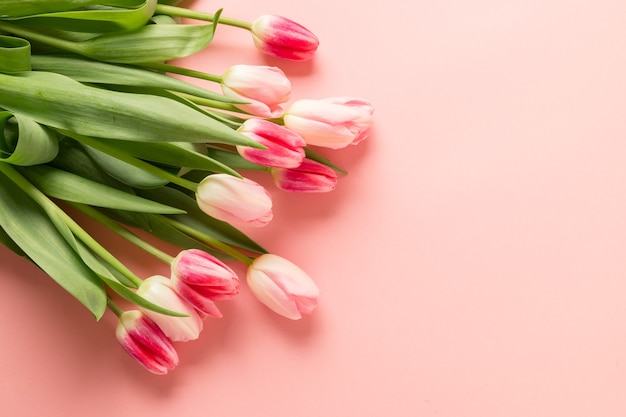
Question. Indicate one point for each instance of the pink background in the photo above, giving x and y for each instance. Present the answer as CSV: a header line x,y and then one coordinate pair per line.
x,y
471,264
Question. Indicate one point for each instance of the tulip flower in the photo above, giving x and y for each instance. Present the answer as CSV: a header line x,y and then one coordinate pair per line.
x,y
160,291
309,177
282,286
334,122
284,147
264,88
283,38
200,278
142,339
238,201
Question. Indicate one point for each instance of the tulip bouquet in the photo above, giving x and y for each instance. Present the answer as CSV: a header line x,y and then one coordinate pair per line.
x,y
97,119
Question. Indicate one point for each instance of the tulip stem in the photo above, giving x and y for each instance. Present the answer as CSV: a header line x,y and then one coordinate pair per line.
x,y
123,232
182,71
114,307
55,212
221,246
192,14
201,101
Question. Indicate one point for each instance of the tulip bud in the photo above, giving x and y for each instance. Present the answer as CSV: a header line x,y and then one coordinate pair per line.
x,y
334,122
159,290
264,87
283,38
282,286
142,339
285,148
309,177
239,201
200,278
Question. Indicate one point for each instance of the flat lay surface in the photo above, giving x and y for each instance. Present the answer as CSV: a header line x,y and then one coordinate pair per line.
x,y
471,264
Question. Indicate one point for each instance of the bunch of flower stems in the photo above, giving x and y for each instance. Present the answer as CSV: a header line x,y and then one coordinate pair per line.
x,y
96,119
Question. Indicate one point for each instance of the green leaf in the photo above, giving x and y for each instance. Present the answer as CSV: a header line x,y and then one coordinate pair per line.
x,y
173,154
74,158
6,240
31,229
14,54
97,19
70,187
25,141
125,172
89,71
13,8
151,43
45,97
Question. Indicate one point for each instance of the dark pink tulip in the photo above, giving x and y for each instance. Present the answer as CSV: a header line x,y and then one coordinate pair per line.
x,y
283,38
309,177
200,278
285,148
142,339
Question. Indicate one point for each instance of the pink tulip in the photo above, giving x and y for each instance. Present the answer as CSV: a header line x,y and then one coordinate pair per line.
x,y
200,278
142,339
265,88
239,201
285,148
282,286
334,122
159,290
309,177
283,38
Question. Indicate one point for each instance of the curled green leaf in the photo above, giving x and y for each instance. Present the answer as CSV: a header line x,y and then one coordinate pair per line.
x,y
24,141
14,54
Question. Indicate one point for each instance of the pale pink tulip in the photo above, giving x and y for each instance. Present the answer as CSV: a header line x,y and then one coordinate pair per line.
x,y
142,339
309,177
160,291
285,148
200,278
283,38
264,88
282,286
334,122
239,201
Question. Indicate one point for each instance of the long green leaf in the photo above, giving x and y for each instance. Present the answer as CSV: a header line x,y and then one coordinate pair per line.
x,y
13,8
70,187
101,19
31,229
174,154
125,172
60,102
151,43
96,72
